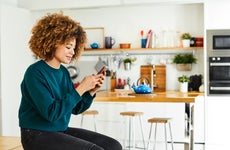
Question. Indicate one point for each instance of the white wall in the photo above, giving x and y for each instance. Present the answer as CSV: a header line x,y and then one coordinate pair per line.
x,y
217,14
9,2
125,22
15,57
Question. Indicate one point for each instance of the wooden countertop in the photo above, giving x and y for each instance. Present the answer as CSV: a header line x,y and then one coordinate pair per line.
x,y
169,96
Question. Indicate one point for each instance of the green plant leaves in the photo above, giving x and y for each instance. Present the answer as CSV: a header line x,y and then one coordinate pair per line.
x,y
183,78
184,59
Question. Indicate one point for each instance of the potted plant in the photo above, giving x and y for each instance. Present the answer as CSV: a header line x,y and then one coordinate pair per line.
x,y
185,37
184,80
127,63
184,61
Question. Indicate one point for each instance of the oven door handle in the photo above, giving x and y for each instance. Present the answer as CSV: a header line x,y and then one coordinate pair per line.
x,y
219,64
219,88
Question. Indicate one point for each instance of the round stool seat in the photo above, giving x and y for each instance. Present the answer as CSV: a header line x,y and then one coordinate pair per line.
x,y
90,112
159,120
131,113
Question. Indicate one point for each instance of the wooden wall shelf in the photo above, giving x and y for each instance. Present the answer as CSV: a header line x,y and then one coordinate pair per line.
x,y
139,51
135,49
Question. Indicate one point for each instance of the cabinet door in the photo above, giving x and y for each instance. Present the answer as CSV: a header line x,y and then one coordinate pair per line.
x,y
169,110
217,124
199,112
216,14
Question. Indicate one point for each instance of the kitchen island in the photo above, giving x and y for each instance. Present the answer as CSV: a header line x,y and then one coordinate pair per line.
x,y
160,97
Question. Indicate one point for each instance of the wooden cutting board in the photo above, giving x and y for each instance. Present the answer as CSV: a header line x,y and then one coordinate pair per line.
x,y
147,71
157,79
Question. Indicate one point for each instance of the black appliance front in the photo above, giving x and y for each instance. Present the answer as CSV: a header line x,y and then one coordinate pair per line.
x,y
219,88
219,75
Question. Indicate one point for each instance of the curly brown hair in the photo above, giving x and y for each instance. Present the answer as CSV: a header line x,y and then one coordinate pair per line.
x,y
55,29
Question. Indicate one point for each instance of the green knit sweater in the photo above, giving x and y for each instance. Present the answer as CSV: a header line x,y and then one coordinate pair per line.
x,y
49,98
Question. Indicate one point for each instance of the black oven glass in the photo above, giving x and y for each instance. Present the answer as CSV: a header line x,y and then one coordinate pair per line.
x,y
221,42
219,69
219,73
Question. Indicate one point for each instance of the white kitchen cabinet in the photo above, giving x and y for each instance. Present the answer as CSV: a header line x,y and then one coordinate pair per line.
x,y
217,14
14,59
109,120
199,120
217,122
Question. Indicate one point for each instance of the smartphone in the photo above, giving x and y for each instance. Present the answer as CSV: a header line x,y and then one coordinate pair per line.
x,y
103,70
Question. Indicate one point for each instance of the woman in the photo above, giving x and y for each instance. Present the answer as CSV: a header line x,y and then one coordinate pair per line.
x,y
48,94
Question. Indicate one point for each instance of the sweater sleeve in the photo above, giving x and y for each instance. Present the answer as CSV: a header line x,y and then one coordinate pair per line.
x,y
43,96
86,102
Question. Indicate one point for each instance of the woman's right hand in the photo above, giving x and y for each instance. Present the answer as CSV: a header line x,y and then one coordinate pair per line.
x,y
89,82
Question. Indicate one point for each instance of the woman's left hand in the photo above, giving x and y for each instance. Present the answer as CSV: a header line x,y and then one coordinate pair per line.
x,y
98,86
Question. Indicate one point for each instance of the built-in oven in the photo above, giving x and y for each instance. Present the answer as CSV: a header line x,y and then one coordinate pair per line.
x,y
219,75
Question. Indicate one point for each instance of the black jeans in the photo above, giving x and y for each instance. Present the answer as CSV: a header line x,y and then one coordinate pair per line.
x,y
71,139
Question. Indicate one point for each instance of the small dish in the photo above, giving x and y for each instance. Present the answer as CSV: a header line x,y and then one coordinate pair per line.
x,y
125,45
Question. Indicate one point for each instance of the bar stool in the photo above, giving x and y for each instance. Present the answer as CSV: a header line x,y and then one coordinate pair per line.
x,y
90,112
158,121
131,115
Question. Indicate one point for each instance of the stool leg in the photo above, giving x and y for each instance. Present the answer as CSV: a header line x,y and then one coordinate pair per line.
x,y
150,132
155,137
122,131
95,126
142,132
171,135
165,136
130,122
82,121
134,134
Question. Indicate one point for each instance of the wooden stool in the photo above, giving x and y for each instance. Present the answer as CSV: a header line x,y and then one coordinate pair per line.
x,y
156,121
10,143
90,112
131,115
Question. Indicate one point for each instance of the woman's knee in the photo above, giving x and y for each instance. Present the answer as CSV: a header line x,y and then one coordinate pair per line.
x,y
115,145
95,147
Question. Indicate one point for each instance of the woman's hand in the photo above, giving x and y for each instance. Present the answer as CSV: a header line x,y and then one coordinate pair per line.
x,y
98,86
90,83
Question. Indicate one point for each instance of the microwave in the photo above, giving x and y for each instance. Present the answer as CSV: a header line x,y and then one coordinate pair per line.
x,y
221,42
218,42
